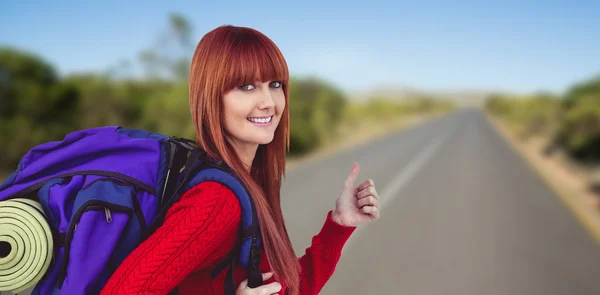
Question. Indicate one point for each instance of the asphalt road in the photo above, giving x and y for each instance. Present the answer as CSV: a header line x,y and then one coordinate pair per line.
x,y
461,214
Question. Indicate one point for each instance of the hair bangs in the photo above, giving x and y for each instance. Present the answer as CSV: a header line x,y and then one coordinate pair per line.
x,y
255,60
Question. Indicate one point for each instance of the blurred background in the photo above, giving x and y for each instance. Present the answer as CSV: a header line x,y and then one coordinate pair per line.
x,y
479,122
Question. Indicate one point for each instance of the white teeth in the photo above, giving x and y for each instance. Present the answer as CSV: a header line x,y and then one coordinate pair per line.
x,y
260,120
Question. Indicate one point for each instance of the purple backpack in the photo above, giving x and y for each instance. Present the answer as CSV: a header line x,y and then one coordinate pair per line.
x,y
105,190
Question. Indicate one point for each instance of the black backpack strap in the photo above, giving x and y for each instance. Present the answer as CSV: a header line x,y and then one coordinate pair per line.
x,y
178,154
189,165
254,274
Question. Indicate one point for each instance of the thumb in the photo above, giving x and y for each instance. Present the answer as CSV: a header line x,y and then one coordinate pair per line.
x,y
271,288
243,285
353,175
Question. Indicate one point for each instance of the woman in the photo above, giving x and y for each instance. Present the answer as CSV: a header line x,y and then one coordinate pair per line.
x,y
238,101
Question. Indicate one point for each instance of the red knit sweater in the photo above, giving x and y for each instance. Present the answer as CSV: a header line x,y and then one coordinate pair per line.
x,y
198,232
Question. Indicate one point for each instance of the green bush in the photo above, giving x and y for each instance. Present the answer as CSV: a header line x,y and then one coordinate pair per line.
x,y
35,106
316,108
571,121
536,115
580,129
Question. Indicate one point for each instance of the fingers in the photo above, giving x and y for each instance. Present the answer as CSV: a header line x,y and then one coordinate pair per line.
x,y
267,275
242,286
369,191
365,184
353,174
371,210
269,289
368,201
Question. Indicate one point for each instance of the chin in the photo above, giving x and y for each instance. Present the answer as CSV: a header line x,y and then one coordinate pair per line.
x,y
264,140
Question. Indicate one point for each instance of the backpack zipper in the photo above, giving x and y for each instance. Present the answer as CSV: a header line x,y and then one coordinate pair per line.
x,y
108,216
121,176
106,213
135,202
90,205
170,155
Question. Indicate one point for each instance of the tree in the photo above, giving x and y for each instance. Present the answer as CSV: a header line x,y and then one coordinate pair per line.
x,y
170,57
35,106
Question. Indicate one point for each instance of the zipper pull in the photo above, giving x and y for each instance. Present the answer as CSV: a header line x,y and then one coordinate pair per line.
x,y
108,216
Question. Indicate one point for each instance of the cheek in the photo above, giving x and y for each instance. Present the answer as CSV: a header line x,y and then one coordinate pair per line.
x,y
236,117
280,102
234,114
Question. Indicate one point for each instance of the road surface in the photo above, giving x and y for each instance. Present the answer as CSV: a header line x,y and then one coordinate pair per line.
x,y
462,214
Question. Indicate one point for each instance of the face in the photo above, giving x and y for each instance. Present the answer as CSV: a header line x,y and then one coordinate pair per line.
x,y
252,113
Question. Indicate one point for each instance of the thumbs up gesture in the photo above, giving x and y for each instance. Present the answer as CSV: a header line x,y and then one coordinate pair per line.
x,y
356,205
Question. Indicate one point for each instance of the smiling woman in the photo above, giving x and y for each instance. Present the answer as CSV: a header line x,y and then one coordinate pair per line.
x,y
239,105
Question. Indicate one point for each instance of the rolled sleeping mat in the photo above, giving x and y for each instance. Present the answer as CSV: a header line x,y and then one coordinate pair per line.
x,y
26,244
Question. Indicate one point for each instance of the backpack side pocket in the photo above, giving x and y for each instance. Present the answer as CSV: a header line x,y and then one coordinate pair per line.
x,y
103,223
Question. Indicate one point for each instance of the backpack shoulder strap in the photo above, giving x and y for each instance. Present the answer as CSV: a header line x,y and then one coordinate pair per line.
x,y
199,168
250,239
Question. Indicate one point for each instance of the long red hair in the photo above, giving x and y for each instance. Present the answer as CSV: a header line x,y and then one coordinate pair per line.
x,y
229,57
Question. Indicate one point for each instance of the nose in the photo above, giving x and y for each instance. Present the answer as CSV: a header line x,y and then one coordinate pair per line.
x,y
266,100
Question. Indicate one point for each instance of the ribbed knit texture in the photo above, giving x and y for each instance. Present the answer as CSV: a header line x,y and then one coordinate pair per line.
x,y
198,232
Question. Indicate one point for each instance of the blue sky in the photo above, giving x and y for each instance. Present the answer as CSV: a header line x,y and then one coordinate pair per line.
x,y
501,45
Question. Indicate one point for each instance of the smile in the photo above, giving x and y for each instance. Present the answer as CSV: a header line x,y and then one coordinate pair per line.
x,y
261,120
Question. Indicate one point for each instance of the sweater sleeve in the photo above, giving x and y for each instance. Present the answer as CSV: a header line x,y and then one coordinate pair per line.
x,y
193,234
320,259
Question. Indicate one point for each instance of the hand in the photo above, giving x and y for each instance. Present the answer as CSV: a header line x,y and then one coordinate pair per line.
x,y
268,289
355,206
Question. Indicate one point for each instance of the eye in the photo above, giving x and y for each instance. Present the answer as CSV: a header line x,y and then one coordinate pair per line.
x,y
247,87
276,84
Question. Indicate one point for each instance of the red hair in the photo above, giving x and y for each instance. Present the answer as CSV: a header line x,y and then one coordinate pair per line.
x,y
229,57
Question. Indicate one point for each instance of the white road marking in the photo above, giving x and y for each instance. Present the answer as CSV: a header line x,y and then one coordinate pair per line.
x,y
393,188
